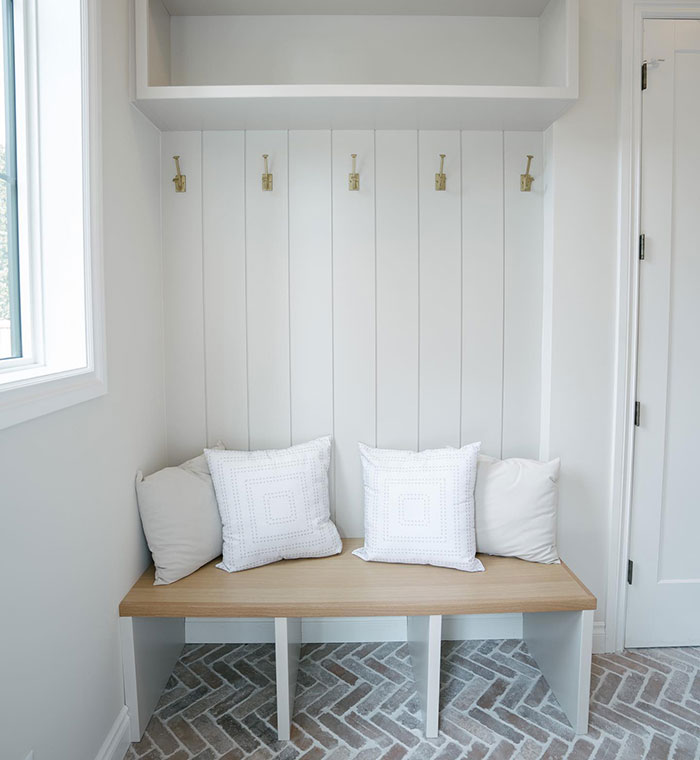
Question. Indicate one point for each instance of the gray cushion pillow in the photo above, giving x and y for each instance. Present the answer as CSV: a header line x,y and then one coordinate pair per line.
x,y
180,518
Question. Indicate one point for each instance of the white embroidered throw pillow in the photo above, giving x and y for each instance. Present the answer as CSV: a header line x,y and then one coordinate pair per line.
x,y
516,508
274,504
419,507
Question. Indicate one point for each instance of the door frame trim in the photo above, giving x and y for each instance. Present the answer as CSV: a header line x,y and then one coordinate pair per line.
x,y
634,12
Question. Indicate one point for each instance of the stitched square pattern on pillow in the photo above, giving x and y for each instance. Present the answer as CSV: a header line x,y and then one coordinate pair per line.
x,y
274,504
419,507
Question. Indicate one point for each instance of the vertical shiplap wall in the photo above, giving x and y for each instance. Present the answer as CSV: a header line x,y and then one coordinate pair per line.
x,y
397,315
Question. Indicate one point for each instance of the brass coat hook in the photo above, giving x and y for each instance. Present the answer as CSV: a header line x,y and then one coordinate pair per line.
x,y
266,177
526,179
179,179
354,177
441,177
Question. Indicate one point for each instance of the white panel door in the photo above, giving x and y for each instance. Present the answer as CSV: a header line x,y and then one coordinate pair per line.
x,y
664,597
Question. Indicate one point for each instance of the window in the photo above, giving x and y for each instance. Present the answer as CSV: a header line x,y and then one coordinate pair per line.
x,y
51,327
10,318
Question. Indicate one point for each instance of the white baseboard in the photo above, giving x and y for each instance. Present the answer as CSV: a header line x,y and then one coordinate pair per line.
x,y
599,638
339,630
117,742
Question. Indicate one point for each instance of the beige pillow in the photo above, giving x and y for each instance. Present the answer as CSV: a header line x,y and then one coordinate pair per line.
x,y
180,518
516,508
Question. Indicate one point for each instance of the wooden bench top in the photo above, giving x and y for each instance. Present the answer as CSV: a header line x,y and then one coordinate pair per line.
x,y
344,585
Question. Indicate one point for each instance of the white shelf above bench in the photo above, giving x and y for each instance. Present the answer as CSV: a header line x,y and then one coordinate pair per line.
x,y
386,64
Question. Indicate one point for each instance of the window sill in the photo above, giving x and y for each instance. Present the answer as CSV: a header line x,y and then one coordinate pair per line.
x,y
26,399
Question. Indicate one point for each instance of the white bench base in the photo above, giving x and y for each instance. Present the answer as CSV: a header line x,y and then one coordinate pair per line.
x,y
151,647
424,636
560,643
287,653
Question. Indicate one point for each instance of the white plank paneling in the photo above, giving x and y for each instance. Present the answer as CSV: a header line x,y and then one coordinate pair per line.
x,y
311,280
267,262
223,210
182,284
353,322
522,349
440,292
311,288
399,316
397,289
482,289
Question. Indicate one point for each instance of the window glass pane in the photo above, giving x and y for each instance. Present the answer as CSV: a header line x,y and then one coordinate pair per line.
x,y
6,312
10,332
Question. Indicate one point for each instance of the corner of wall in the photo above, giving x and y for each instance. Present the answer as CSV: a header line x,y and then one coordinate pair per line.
x,y
547,293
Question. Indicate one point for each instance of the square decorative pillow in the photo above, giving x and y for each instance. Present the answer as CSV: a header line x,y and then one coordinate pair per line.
x,y
180,518
419,507
274,504
516,508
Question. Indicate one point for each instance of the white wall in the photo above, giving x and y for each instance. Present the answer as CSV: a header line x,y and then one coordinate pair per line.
x,y
584,271
397,315
312,49
71,542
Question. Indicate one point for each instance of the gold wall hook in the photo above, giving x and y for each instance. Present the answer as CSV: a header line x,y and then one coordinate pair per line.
x,y
354,177
526,179
441,177
266,177
179,179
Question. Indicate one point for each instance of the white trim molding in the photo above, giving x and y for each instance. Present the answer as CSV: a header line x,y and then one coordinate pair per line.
x,y
48,383
599,638
117,743
633,14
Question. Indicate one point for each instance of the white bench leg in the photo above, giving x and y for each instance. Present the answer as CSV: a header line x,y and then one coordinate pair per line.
x,y
150,648
562,645
424,636
287,649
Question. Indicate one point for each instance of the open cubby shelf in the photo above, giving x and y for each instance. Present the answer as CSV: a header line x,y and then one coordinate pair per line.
x,y
443,64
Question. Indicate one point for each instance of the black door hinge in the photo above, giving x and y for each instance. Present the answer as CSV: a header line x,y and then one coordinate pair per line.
x,y
642,246
644,76
637,413
630,571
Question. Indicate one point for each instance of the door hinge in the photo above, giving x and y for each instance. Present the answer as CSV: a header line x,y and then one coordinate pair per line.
x,y
642,247
630,571
644,76
637,413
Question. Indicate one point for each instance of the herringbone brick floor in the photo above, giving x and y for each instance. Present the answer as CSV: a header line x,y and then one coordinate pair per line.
x,y
357,701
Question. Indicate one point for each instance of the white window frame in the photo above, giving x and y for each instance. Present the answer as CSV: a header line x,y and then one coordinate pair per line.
x,y
34,385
